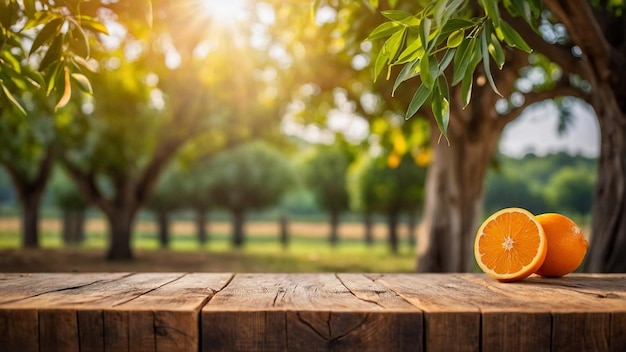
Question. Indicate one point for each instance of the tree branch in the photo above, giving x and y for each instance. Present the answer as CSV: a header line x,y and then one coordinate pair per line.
x,y
581,24
86,183
150,175
563,89
560,54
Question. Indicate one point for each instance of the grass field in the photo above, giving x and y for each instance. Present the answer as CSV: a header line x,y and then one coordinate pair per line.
x,y
308,250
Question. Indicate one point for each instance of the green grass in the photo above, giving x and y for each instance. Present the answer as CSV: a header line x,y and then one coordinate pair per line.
x,y
262,253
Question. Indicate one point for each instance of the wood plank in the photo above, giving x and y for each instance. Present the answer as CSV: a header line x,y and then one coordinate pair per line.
x,y
147,312
91,335
618,331
97,298
450,322
404,323
578,331
167,318
288,311
16,287
19,329
58,330
21,323
581,311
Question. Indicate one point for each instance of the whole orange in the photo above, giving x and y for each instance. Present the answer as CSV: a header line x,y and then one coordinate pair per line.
x,y
566,245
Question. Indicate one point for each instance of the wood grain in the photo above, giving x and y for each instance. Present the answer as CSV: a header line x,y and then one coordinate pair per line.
x,y
310,312
107,312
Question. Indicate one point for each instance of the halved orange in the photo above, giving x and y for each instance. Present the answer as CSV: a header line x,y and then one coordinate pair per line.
x,y
510,245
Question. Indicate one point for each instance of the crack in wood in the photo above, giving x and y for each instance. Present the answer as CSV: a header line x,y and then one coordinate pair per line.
x,y
62,289
355,328
281,292
148,291
303,321
213,293
356,295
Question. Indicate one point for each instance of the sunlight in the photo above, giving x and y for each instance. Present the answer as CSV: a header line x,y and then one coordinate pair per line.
x,y
226,12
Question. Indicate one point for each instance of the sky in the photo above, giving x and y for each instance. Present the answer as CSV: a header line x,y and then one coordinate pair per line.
x,y
536,131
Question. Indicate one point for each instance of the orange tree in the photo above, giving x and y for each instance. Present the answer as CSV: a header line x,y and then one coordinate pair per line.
x,y
389,191
455,50
325,172
27,151
251,176
44,48
158,89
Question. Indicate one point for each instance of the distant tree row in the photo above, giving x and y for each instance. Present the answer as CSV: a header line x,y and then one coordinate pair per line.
x,y
257,175
553,183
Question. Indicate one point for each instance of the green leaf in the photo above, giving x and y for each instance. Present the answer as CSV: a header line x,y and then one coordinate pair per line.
x,y
92,24
384,30
66,86
440,10
34,77
466,87
78,41
53,54
485,52
83,82
407,72
51,30
495,49
447,59
381,61
412,52
419,98
441,110
30,8
12,99
454,24
428,70
456,38
462,59
51,76
40,18
491,8
514,39
523,8
394,43
8,57
6,18
442,83
396,15
424,32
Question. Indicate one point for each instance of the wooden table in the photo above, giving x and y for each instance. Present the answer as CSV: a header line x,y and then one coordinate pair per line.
x,y
310,312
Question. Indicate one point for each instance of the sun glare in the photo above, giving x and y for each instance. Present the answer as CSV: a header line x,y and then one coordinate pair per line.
x,y
226,12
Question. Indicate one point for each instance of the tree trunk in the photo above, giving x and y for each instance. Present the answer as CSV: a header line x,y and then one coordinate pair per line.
x,y
334,228
412,226
454,192
73,227
284,230
392,228
30,218
120,230
164,228
238,227
201,225
30,192
607,252
368,227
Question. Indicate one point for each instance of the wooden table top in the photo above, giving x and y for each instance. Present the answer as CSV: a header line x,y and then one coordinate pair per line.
x,y
310,312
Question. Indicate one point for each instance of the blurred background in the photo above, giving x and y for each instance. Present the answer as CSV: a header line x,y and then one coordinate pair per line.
x,y
252,136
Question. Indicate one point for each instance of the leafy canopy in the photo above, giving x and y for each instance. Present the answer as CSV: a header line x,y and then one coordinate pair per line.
x,y
444,35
